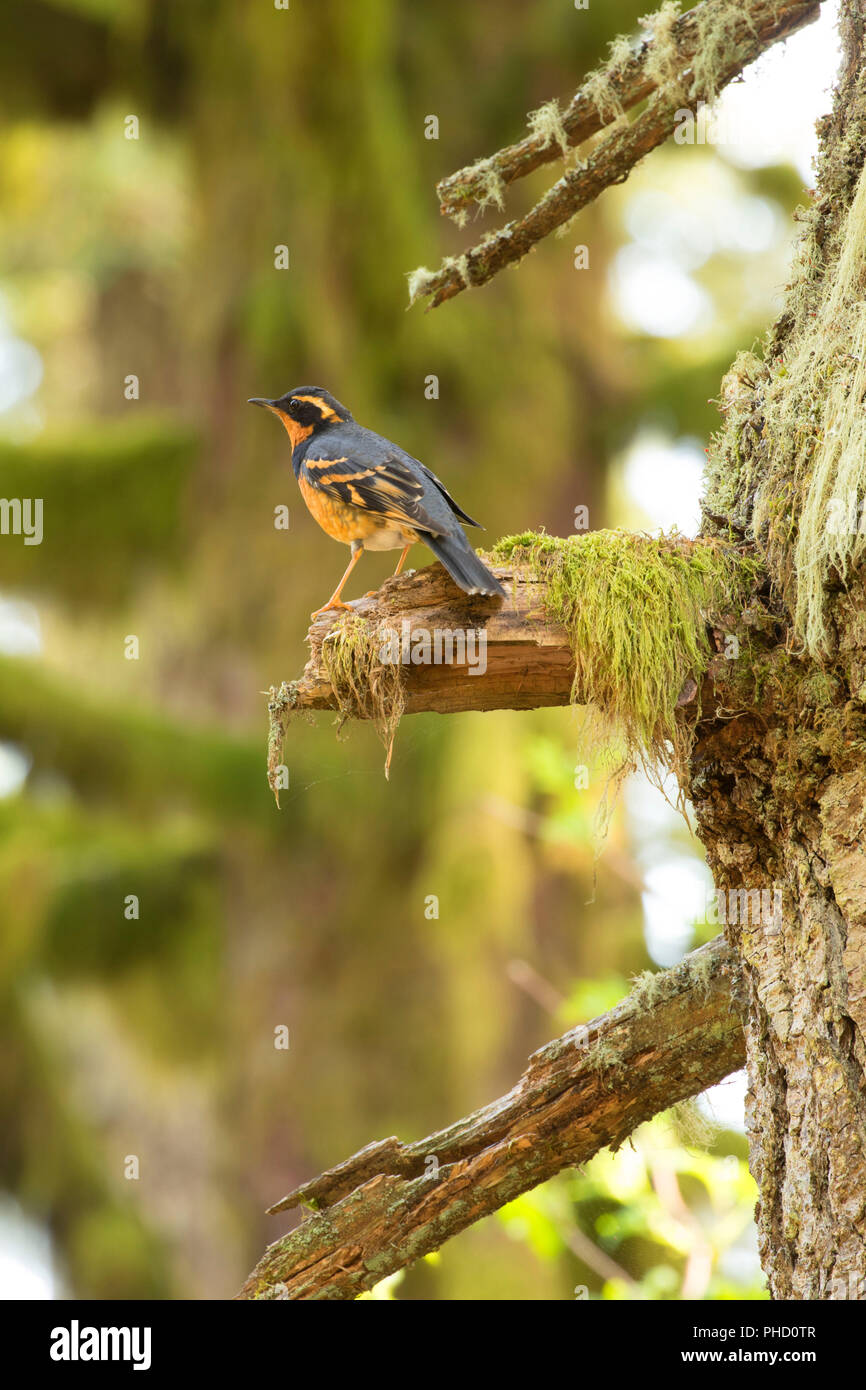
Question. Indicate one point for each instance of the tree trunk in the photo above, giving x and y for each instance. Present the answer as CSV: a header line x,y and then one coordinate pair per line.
x,y
780,792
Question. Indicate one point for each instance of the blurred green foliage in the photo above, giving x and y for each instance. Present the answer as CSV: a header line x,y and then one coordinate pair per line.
x,y
107,490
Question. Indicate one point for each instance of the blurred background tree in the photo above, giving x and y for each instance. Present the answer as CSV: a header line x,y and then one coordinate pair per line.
x,y
160,919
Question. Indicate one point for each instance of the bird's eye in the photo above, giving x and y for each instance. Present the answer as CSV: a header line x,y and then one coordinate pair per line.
x,y
293,407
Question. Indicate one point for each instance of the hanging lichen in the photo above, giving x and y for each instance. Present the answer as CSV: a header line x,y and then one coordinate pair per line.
x,y
811,505
545,125
732,458
365,687
663,65
718,26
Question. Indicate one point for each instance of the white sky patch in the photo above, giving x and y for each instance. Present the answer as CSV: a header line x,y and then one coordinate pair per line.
x,y
726,1103
14,767
700,214
655,295
675,898
26,1265
667,228
677,882
756,226
20,371
20,634
663,477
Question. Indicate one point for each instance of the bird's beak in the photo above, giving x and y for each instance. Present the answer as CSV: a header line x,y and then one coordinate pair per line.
x,y
259,400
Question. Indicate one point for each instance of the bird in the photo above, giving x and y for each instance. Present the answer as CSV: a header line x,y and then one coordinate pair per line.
x,y
369,493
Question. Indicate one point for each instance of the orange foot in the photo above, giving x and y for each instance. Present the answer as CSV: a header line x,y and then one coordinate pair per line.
x,y
330,606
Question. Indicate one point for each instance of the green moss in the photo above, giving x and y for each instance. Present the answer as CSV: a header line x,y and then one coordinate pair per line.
x,y
281,703
364,687
636,610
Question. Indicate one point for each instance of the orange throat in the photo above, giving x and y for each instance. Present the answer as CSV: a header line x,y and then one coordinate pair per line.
x,y
297,433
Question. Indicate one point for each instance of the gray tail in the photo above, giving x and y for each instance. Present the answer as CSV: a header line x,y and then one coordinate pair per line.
x,y
464,566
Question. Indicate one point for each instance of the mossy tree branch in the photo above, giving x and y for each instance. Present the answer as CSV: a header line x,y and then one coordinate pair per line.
x,y
628,77
676,1033
688,61
638,627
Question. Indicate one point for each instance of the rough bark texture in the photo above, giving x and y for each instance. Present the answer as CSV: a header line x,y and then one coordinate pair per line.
x,y
677,1032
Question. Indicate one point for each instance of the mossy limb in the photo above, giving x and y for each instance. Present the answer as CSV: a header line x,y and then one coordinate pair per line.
x,y
636,611
487,178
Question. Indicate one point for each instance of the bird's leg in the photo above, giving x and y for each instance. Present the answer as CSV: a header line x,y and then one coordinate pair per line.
x,y
335,601
371,593
402,560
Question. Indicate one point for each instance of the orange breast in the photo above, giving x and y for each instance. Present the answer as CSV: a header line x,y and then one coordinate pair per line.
x,y
339,519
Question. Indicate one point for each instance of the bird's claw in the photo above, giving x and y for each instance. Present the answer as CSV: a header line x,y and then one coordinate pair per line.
x,y
331,607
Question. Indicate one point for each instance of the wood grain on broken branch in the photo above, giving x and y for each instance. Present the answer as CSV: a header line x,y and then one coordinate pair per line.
x,y
676,1033
528,656
705,51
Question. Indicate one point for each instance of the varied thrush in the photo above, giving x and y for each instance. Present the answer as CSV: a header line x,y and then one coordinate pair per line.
x,y
370,494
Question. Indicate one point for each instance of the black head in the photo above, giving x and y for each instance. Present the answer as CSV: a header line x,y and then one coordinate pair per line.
x,y
305,410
